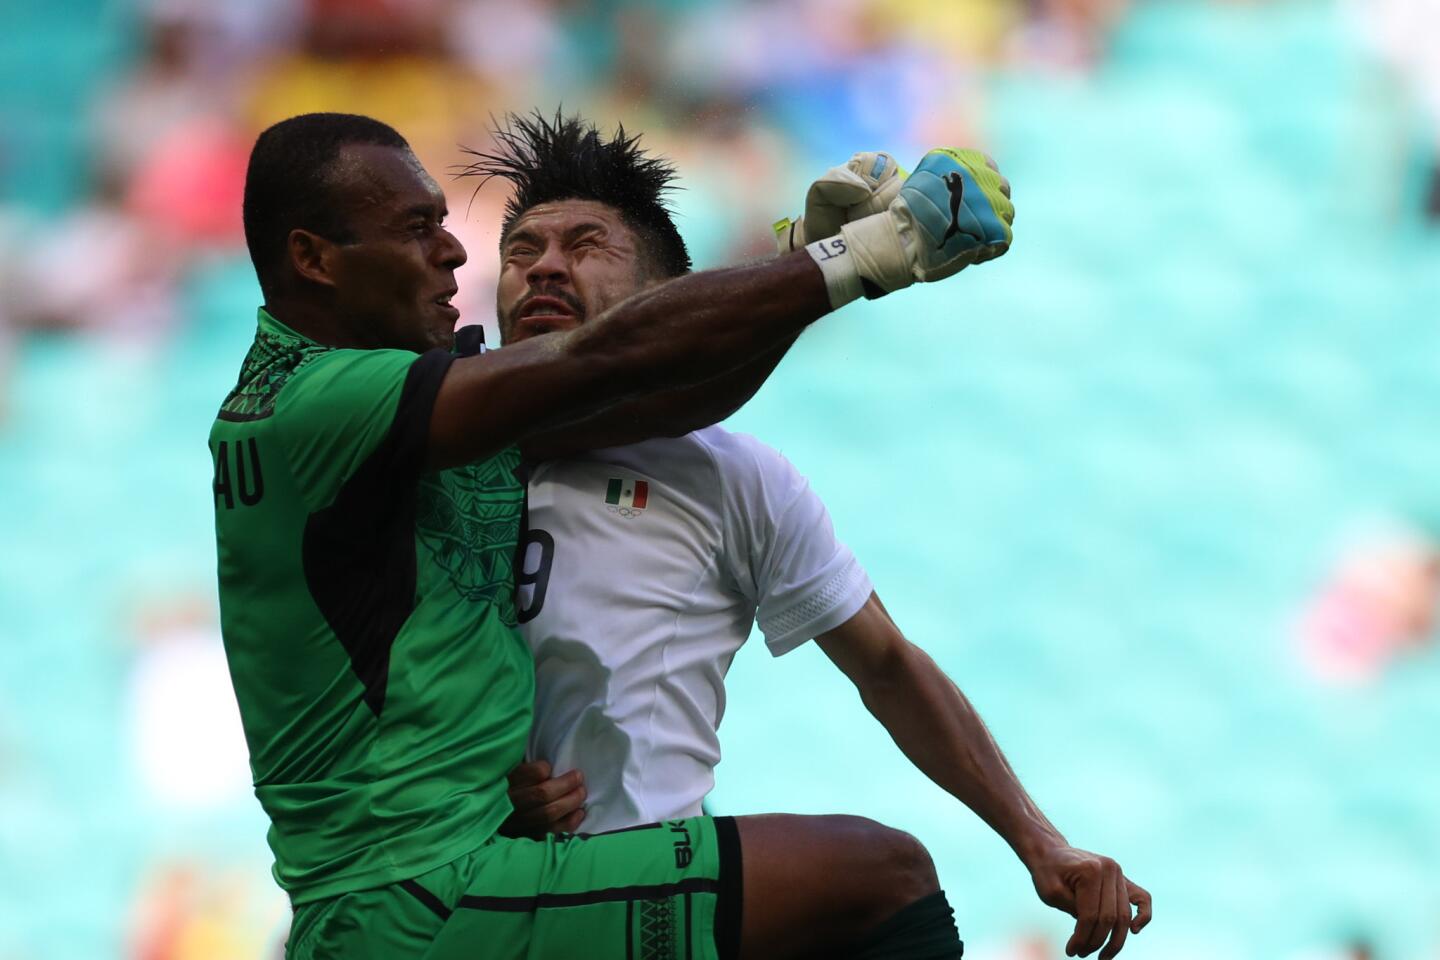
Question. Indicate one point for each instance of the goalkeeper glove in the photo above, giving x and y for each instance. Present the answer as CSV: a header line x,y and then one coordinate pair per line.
x,y
953,211
862,187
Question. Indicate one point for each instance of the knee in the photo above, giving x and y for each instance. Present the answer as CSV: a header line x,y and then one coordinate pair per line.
x,y
911,868
898,867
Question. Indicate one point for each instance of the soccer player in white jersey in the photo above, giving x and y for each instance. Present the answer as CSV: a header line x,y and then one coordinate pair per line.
x,y
644,566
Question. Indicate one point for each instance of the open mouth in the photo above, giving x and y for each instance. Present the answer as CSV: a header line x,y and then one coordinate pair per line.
x,y
447,309
548,307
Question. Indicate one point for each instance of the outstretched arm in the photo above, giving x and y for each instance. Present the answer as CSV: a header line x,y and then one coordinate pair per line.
x,y
937,728
686,331
672,413
862,187
696,327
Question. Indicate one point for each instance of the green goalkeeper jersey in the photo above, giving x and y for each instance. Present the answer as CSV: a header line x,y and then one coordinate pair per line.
x,y
368,613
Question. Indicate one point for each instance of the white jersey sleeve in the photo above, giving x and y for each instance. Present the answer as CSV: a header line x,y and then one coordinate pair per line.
x,y
780,547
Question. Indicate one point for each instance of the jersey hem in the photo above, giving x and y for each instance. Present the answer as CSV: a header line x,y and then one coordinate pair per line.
x,y
379,878
730,905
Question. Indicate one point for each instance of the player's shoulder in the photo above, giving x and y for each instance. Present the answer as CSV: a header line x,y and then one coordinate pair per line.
x,y
335,381
755,481
681,463
705,465
333,365
269,366
739,455
728,446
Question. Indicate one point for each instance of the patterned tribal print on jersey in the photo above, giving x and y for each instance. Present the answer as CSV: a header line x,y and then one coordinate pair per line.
x,y
466,519
659,928
272,361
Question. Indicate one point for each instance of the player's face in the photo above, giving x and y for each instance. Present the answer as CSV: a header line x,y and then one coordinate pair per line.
x,y
396,275
562,264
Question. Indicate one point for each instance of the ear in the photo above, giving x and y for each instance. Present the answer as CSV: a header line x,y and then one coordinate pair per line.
x,y
312,256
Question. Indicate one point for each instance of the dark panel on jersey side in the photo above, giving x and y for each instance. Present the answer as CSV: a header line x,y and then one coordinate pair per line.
x,y
359,552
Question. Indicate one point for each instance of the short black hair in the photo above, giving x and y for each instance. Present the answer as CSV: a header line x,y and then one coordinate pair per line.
x,y
288,183
566,158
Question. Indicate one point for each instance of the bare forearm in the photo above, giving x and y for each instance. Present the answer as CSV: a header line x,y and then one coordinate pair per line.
x,y
672,413
937,728
697,327
713,400
679,333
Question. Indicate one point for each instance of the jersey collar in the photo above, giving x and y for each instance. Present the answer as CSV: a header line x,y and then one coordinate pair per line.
x,y
268,324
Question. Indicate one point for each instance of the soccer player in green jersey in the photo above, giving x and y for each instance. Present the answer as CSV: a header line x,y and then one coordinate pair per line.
x,y
367,515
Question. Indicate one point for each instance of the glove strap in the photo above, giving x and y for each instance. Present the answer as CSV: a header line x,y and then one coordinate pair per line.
x,y
837,264
785,230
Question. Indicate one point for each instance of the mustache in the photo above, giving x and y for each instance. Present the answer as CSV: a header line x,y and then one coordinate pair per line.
x,y
564,296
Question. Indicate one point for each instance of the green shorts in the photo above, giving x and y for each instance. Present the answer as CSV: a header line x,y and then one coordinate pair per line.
x,y
661,891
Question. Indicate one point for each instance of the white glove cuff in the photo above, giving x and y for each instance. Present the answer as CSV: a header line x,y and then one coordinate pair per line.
x,y
880,245
837,264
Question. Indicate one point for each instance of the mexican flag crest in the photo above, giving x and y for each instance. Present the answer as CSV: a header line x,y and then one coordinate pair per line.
x,y
627,493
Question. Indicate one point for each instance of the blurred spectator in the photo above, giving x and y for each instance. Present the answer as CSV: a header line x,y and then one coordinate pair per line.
x,y
197,910
512,44
1359,949
184,727
1406,34
384,58
12,248
229,36
735,171
166,142
973,30
743,50
173,83
1377,605
1064,35
1352,948
192,184
910,94
188,752
98,268
1031,946
849,76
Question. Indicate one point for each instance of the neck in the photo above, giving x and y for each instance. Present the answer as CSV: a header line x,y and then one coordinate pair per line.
x,y
315,321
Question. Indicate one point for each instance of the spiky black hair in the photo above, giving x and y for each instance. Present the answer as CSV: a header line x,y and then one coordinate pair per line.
x,y
566,158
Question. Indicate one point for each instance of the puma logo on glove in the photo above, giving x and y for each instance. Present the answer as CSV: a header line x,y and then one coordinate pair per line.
x,y
956,185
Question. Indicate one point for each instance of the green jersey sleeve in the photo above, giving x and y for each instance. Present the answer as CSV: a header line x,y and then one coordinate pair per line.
x,y
340,409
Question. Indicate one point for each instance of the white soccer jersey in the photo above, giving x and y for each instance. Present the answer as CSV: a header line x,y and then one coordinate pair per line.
x,y
644,569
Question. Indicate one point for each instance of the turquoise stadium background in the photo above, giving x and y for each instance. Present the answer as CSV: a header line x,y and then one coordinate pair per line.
x,y
1097,479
